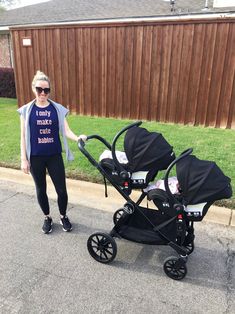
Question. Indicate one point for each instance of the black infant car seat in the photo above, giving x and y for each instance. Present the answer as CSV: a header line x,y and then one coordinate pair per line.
x,y
146,153
201,183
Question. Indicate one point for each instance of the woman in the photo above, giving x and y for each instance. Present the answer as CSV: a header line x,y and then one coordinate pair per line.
x,y
42,122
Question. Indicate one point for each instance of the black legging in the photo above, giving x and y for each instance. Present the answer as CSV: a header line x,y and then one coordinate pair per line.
x,y
55,166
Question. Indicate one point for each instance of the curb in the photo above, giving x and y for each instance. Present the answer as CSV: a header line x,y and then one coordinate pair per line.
x,y
92,195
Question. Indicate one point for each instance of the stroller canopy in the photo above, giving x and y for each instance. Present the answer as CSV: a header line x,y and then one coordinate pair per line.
x,y
202,181
147,150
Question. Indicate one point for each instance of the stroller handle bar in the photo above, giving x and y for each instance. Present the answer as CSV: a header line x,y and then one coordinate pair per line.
x,y
185,153
81,146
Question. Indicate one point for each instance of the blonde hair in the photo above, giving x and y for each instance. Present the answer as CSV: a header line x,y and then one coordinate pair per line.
x,y
39,76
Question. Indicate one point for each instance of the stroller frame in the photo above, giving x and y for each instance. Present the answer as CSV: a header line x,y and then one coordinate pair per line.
x,y
102,246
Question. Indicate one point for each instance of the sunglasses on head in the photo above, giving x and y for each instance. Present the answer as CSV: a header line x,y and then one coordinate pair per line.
x,y
45,90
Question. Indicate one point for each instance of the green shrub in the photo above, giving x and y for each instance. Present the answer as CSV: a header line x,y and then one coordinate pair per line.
x,y
7,83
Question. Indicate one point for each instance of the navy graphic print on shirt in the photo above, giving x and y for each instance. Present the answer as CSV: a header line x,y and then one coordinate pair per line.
x,y
44,131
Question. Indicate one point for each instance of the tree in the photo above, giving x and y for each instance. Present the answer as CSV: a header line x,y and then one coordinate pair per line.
x,y
7,3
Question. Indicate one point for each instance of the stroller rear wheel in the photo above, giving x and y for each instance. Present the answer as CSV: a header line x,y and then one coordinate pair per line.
x,y
175,268
102,247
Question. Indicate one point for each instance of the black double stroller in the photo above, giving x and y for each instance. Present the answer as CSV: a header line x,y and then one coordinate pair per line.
x,y
170,222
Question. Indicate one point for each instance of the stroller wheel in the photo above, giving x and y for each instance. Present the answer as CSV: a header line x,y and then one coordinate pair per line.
x,y
102,247
189,247
117,215
175,268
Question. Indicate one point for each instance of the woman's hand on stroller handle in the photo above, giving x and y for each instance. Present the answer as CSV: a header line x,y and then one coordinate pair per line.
x,y
82,137
81,142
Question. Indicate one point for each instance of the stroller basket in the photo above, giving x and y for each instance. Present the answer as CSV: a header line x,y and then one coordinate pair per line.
x,y
137,229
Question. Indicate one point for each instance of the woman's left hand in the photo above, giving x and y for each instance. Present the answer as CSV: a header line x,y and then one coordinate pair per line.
x,y
82,137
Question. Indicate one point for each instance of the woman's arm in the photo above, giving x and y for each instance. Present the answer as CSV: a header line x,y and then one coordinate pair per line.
x,y
24,160
69,133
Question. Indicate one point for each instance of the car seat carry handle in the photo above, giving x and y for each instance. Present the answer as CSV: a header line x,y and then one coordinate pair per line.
x,y
113,146
81,146
183,155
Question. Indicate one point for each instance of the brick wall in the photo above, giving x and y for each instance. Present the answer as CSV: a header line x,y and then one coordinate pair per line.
x,y
5,55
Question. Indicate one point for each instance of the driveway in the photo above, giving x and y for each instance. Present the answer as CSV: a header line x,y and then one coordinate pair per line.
x,y
55,274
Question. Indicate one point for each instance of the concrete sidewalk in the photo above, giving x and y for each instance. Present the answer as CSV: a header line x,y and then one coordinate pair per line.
x,y
92,195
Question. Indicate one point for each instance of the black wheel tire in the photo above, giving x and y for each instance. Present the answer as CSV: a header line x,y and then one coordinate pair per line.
x,y
102,247
117,215
175,268
190,248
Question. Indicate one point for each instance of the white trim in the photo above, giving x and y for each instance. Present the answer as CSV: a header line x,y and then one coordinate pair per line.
x,y
4,28
223,3
138,19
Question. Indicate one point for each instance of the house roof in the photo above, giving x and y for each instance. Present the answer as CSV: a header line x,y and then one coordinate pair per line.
x,y
60,11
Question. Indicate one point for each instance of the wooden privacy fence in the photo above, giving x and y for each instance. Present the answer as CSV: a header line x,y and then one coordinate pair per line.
x,y
172,71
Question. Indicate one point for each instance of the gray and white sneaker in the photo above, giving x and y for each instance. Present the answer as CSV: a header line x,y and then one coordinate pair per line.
x,y
47,225
67,226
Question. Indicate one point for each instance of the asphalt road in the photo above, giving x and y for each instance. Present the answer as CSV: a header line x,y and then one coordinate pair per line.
x,y
55,274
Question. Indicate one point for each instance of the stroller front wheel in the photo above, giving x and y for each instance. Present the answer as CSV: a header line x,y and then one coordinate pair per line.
x,y
102,247
175,268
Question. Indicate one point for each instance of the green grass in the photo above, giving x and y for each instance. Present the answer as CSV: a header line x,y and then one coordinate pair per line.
x,y
207,143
